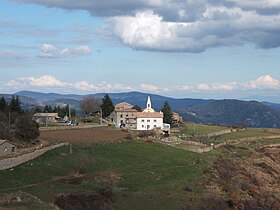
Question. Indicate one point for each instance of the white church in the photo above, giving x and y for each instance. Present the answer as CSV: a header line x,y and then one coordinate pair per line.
x,y
125,116
149,119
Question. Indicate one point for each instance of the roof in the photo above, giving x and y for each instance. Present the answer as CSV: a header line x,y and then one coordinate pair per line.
x,y
126,110
123,105
45,115
149,115
5,141
2,141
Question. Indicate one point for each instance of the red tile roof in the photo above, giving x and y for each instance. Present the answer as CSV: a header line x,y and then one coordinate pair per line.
x,y
149,115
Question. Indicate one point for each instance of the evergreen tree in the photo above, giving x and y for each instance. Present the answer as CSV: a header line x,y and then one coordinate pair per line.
x,y
167,113
107,106
15,105
3,105
37,109
48,109
138,108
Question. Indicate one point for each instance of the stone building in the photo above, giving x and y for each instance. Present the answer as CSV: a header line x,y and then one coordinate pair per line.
x,y
124,115
6,148
43,118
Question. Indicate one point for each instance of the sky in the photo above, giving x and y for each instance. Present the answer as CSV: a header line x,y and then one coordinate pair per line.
x,y
179,48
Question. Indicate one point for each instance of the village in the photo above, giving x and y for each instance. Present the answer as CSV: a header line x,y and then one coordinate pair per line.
x,y
128,142
123,117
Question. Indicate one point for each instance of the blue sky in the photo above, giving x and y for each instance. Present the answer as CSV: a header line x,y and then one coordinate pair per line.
x,y
199,49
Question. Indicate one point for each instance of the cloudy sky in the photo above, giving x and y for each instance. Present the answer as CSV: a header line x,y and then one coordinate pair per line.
x,y
179,48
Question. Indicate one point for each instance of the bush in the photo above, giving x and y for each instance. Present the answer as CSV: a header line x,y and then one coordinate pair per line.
x,y
26,128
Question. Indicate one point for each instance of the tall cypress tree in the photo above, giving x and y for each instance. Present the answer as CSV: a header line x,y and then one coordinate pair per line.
x,y
107,105
167,113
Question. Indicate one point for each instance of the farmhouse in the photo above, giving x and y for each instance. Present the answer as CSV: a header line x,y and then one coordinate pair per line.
x,y
125,116
43,118
6,148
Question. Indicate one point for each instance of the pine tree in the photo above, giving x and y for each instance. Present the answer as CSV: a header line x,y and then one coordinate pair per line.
x,y
15,105
167,113
107,106
3,105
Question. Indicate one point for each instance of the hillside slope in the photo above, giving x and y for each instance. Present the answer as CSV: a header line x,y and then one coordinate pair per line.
x,y
234,112
225,112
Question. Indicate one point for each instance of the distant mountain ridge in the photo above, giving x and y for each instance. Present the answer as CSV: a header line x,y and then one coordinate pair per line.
x,y
226,112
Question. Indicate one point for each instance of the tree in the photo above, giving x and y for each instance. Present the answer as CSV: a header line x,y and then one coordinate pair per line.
x,y
90,104
48,109
26,128
107,105
3,105
138,108
15,105
4,127
167,113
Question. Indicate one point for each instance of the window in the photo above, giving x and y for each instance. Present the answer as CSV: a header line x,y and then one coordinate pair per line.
x,y
121,116
155,120
142,120
126,115
142,126
155,126
5,149
148,120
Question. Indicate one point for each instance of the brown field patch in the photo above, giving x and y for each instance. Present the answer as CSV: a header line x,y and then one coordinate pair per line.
x,y
84,135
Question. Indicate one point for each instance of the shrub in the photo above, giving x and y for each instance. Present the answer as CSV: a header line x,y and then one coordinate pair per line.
x,y
26,129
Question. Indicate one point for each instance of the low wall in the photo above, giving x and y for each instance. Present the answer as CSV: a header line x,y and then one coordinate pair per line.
x,y
15,161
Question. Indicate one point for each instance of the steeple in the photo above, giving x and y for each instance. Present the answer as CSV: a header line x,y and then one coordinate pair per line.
x,y
149,103
149,106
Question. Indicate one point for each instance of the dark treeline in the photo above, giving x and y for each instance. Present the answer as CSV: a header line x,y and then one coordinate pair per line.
x,y
15,123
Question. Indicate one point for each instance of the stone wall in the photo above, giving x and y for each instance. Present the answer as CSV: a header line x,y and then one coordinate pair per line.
x,y
15,161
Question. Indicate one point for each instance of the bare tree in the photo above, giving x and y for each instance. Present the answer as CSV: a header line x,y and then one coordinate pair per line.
x,y
90,104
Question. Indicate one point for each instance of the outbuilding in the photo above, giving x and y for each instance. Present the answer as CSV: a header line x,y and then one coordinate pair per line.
x,y
6,148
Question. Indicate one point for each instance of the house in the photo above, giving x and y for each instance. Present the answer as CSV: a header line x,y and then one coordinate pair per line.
x,y
6,148
124,115
43,118
149,119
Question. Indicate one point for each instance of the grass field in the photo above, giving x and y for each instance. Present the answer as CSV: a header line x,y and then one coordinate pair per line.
x,y
242,134
138,174
149,176
199,129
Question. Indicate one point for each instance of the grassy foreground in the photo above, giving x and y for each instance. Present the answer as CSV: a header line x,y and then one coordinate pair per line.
x,y
145,175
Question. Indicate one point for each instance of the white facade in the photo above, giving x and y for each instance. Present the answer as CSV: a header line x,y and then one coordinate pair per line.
x,y
144,123
149,119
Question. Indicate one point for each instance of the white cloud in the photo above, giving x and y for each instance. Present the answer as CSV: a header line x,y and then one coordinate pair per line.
x,y
263,82
149,88
183,25
218,26
48,51
76,51
51,51
49,82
